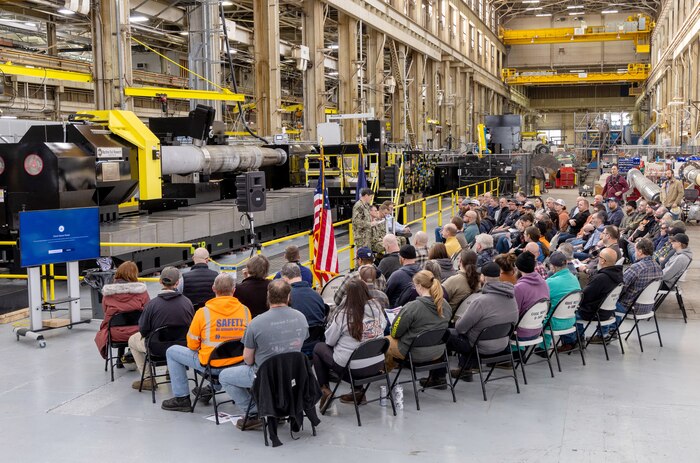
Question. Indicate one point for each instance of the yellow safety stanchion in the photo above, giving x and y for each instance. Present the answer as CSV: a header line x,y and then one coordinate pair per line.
x,y
440,210
351,240
52,285
425,214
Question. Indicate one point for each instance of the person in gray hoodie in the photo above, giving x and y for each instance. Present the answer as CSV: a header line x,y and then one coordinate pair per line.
x,y
495,304
679,261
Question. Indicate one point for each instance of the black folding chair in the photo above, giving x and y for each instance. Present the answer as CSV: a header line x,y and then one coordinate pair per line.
x,y
374,350
316,334
565,309
225,351
608,305
646,297
119,320
661,295
430,338
501,331
283,373
156,344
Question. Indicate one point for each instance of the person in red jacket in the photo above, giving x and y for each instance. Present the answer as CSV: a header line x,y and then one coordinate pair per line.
x,y
616,185
126,294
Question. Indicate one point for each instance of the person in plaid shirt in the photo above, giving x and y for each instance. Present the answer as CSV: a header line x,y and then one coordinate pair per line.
x,y
421,241
539,266
635,279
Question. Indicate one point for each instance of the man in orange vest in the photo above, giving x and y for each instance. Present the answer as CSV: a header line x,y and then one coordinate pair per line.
x,y
222,318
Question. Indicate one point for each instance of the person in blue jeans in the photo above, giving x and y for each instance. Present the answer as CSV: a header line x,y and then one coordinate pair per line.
x,y
276,331
635,279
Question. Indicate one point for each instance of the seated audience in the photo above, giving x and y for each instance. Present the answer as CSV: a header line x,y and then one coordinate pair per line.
x,y
529,289
365,256
277,331
534,248
359,318
196,284
302,297
680,260
438,253
485,251
402,280
170,308
635,278
429,312
223,318
252,291
291,255
561,283
495,304
421,245
506,262
615,213
390,262
471,226
449,232
459,224
126,294
607,277
465,282
369,276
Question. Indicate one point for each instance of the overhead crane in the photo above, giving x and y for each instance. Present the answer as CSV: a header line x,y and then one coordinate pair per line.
x,y
634,73
635,28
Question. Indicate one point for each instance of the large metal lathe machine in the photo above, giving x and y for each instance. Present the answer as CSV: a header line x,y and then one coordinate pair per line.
x,y
178,175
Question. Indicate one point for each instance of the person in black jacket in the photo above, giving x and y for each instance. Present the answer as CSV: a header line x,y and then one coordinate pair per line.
x,y
196,284
170,308
252,291
402,279
607,278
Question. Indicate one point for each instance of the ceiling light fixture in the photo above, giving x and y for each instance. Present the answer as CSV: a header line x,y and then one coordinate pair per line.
x,y
531,1
542,15
533,8
139,18
66,11
575,13
608,12
226,3
574,7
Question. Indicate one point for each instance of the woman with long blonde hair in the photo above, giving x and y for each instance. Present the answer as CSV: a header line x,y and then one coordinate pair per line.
x,y
430,311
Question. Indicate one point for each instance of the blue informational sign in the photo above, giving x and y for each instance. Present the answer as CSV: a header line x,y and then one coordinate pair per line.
x,y
59,235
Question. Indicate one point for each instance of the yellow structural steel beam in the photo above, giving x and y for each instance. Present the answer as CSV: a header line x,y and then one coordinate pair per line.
x,y
641,37
183,94
44,73
634,73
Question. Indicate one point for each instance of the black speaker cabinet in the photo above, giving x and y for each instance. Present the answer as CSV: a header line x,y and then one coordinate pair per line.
x,y
250,191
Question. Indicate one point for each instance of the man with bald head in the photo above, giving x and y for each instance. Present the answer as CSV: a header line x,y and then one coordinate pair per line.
x,y
196,284
534,248
607,278
421,245
449,232
390,262
471,227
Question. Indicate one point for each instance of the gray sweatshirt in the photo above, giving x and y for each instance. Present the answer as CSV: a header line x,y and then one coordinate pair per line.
x,y
676,265
494,305
338,335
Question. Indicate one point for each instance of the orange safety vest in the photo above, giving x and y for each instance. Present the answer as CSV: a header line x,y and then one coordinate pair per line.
x,y
221,319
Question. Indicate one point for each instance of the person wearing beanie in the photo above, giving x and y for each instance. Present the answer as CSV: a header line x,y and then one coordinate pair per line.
x,y
529,289
561,283
402,279
495,304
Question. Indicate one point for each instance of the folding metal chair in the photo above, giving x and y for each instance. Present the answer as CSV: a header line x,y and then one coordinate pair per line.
x,y
373,350
646,297
430,338
492,333
533,319
566,308
156,344
661,295
224,351
608,305
119,320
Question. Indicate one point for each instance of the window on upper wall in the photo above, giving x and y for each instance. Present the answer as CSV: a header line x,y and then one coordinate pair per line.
x,y
464,29
443,10
479,44
481,9
486,50
472,38
493,54
453,29
487,14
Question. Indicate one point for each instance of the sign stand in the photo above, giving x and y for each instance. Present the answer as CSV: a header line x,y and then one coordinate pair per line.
x,y
36,304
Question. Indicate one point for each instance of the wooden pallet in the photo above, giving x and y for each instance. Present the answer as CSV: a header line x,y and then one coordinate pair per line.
x,y
10,317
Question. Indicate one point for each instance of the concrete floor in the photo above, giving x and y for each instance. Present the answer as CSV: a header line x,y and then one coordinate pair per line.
x,y
57,404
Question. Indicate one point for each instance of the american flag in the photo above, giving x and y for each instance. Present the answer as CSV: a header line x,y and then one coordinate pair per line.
x,y
325,255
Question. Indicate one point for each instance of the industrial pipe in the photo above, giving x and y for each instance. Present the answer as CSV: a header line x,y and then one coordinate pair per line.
x,y
188,159
646,187
691,172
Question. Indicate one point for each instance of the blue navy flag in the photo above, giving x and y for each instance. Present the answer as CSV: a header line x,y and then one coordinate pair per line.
x,y
361,176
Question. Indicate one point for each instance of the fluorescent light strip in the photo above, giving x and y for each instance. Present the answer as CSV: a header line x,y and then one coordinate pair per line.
x,y
608,12
542,15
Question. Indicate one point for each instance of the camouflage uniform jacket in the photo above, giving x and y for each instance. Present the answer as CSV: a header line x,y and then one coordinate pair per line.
x,y
362,224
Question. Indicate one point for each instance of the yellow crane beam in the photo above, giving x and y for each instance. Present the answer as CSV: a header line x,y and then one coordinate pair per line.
x,y
183,93
634,73
44,73
639,32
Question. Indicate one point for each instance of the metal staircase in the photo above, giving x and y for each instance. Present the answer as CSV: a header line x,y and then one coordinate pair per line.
x,y
399,74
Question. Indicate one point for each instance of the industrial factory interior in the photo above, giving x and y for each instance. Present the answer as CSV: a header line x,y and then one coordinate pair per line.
x,y
392,230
